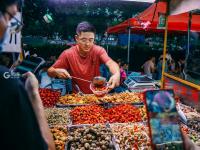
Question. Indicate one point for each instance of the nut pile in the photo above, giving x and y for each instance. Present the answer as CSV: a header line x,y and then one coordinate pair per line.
x,y
96,137
59,136
57,116
131,136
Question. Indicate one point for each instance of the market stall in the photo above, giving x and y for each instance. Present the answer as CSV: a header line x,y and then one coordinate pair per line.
x,y
115,121
112,121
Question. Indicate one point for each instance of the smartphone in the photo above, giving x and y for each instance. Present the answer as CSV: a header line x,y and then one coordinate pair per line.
x,y
163,120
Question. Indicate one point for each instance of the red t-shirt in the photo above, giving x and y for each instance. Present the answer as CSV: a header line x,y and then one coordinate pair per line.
x,y
82,67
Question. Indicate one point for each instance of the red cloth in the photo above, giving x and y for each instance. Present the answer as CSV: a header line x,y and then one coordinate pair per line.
x,y
82,67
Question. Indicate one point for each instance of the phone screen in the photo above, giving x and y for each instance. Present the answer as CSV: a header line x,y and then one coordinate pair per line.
x,y
163,120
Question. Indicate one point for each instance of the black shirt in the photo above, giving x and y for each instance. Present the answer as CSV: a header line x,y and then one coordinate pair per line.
x,y
19,129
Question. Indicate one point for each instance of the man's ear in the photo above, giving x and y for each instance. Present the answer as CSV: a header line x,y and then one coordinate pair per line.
x,y
76,37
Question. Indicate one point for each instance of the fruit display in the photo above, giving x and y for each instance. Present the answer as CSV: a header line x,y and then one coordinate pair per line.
x,y
194,125
87,114
97,114
124,97
189,112
60,136
97,137
193,135
131,136
123,113
77,99
49,97
57,116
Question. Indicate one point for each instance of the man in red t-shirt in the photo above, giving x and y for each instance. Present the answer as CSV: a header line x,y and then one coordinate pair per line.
x,y
83,61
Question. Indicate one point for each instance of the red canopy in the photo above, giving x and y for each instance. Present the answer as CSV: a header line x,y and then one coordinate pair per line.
x,y
147,21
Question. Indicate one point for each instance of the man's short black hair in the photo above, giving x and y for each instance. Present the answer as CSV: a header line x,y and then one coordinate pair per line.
x,y
85,27
5,3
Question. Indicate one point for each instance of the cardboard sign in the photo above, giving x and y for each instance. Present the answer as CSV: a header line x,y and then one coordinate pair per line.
x,y
12,42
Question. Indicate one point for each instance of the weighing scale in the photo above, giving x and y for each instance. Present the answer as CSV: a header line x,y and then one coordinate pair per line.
x,y
140,83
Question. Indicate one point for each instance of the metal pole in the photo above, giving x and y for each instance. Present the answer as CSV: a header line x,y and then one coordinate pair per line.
x,y
165,47
129,40
189,27
188,44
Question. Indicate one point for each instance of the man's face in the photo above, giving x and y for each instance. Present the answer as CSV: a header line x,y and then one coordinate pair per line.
x,y
5,18
85,41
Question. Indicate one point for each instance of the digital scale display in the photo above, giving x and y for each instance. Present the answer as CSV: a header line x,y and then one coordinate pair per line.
x,y
139,82
142,79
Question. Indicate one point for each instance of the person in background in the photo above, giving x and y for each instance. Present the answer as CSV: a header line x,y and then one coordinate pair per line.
x,y
23,122
83,61
149,66
123,74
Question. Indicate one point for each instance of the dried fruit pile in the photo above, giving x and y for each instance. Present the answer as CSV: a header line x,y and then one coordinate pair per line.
x,y
77,99
97,114
193,135
96,137
57,116
123,113
87,114
131,136
59,136
49,97
125,97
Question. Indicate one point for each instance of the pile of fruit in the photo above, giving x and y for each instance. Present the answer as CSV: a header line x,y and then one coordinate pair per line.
x,y
87,114
57,116
194,125
97,114
77,99
123,113
49,97
96,137
193,135
124,97
59,136
131,136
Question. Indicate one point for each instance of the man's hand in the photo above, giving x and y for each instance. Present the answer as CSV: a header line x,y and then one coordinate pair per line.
x,y
62,73
114,81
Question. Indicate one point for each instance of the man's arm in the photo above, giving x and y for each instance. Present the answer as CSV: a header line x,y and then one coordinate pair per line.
x,y
59,73
115,71
31,86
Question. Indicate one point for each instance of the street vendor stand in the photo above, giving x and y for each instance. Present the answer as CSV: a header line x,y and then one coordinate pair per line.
x,y
82,121
153,20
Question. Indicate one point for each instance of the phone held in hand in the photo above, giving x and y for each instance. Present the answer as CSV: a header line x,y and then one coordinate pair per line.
x,y
163,120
